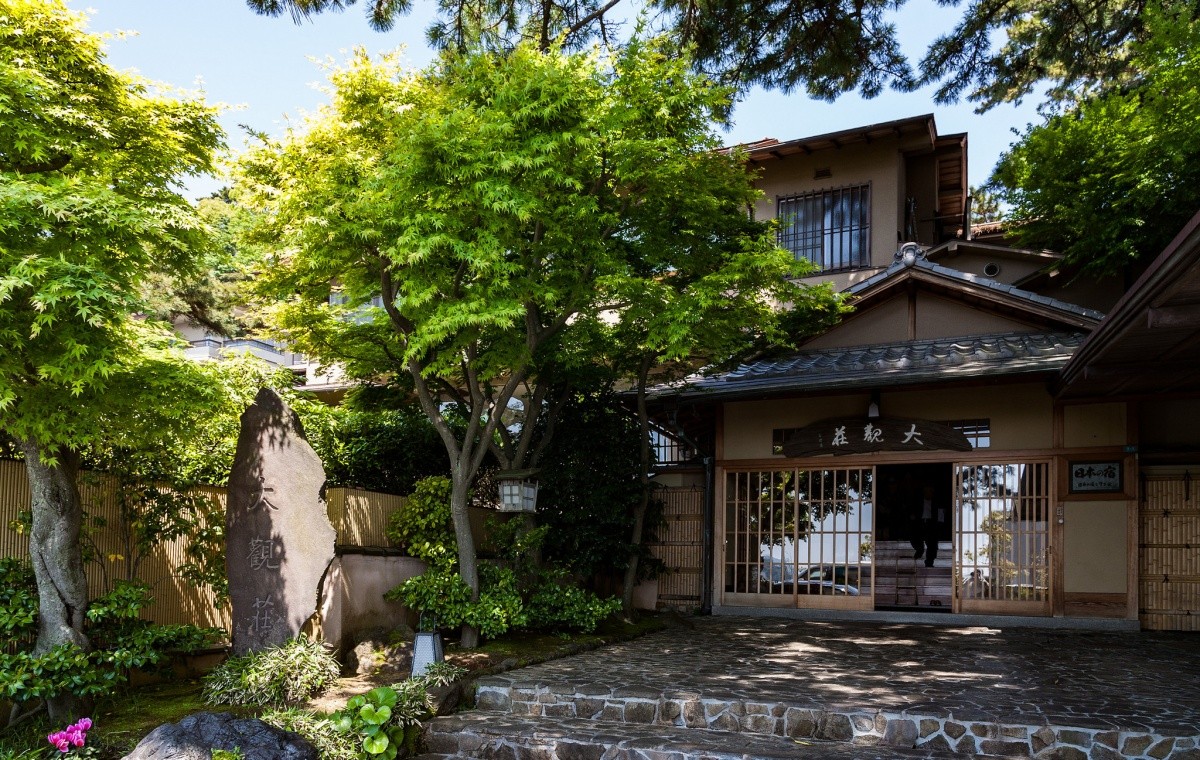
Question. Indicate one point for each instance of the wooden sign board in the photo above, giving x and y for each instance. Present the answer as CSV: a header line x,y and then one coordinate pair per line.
x,y
1096,477
862,435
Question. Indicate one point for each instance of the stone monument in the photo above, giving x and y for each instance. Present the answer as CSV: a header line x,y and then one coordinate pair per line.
x,y
278,538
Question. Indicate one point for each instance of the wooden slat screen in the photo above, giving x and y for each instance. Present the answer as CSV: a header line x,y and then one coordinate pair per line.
x,y
680,547
1169,555
803,534
360,518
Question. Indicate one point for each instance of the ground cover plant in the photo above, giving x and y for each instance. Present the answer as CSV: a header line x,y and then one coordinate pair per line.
x,y
282,676
120,721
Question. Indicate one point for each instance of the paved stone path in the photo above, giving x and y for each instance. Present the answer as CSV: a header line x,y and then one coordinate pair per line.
x,y
1060,695
1145,681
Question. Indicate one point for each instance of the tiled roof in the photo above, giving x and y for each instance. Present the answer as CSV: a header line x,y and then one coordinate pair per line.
x,y
924,264
886,365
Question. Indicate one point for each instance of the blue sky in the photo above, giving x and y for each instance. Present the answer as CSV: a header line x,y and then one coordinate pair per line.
x,y
260,67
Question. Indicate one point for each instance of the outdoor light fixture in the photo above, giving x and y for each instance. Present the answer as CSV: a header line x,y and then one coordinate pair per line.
x,y
427,649
873,407
518,491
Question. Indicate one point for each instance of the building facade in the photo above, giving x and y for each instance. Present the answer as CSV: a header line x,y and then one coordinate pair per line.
x,y
934,457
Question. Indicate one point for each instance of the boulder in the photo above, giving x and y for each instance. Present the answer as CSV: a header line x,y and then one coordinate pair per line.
x,y
196,736
377,651
278,537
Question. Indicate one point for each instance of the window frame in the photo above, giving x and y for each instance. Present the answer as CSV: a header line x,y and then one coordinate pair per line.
x,y
790,239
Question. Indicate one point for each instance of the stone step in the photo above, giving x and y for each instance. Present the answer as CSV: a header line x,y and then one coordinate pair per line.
x,y
923,727
497,736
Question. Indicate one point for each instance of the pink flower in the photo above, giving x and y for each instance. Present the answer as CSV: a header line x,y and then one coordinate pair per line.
x,y
75,734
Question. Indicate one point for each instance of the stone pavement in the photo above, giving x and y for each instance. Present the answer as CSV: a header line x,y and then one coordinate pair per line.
x,y
1060,694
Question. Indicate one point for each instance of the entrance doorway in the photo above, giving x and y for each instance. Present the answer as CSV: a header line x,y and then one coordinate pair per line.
x,y
914,525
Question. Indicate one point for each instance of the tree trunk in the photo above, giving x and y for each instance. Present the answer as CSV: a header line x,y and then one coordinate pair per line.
x,y
468,566
57,557
639,514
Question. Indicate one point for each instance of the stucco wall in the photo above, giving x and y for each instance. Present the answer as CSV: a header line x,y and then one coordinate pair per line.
x,y
885,323
1094,425
943,318
973,262
352,600
1095,550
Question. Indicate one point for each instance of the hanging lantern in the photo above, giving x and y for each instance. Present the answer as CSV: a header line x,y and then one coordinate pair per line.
x,y
518,491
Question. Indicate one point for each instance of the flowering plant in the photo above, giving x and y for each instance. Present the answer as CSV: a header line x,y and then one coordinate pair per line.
x,y
73,738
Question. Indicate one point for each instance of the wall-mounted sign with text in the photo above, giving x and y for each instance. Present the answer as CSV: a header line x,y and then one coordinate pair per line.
x,y
861,435
1096,477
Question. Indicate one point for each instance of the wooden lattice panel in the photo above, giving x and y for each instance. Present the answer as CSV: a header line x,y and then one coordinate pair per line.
x,y
1169,555
680,547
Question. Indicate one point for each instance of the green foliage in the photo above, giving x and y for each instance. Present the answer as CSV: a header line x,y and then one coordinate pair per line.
x,y
18,600
497,205
212,294
423,527
88,209
383,444
1075,49
289,674
439,592
998,52
500,607
317,730
387,719
1113,179
227,754
513,595
558,605
121,639
90,167
985,206
588,484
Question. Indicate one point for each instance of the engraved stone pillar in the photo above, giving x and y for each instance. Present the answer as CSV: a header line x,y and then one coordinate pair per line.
x,y
278,538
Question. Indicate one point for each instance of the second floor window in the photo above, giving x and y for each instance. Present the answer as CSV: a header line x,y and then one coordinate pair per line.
x,y
830,228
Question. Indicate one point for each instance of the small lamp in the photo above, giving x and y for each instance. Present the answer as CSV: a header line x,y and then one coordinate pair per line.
x,y
518,491
427,648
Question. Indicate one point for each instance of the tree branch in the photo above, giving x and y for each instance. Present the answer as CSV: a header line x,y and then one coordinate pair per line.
x,y
598,13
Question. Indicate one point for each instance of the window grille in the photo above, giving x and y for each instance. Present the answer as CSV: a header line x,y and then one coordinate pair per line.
x,y
830,228
668,449
795,532
978,432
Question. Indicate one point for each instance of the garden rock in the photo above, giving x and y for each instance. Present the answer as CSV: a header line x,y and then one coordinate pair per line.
x,y
447,698
196,736
279,541
372,653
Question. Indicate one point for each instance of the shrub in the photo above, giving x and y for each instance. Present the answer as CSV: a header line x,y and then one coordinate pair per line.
x,y
500,606
558,605
277,677
18,600
383,442
439,592
589,486
121,641
423,527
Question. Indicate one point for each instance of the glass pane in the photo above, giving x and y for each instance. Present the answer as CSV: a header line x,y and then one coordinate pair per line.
x,y
1003,515
799,532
